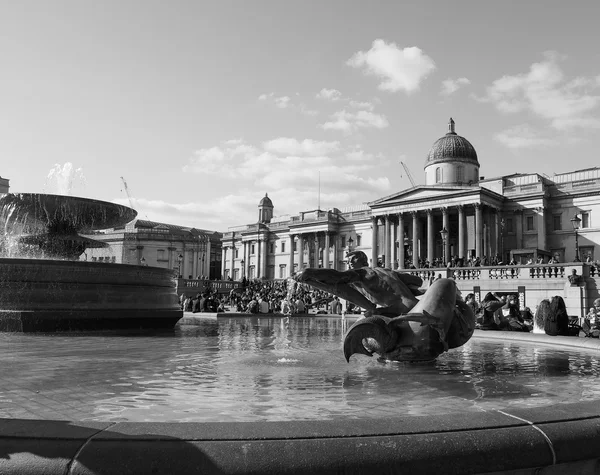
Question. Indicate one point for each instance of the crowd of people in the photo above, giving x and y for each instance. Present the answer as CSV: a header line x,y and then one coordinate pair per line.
x,y
260,296
474,261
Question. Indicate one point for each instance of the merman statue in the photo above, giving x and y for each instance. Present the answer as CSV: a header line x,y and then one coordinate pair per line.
x,y
398,326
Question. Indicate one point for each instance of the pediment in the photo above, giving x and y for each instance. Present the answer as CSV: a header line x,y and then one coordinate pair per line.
x,y
422,193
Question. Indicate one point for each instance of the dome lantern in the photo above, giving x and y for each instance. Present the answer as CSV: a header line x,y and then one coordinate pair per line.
x,y
265,210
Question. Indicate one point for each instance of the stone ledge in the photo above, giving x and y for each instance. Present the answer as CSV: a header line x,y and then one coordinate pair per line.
x,y
485,442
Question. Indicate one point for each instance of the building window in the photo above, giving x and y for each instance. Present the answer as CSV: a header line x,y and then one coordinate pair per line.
x,y
509,225
252,249
587,253
295,246
283,246
282,274
237,253
271,248
343,241
529,221
460,174
557,222
585,220
160,255
113,259
358,240
438,175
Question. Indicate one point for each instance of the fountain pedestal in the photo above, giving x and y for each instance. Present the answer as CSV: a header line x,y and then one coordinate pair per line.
x,y
46,296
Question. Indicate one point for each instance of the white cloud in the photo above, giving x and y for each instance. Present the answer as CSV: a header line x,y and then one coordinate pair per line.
x,y
350,121
329,94
291,146
362,105
282,102
288,169
399,69
546,93
450,86
523,136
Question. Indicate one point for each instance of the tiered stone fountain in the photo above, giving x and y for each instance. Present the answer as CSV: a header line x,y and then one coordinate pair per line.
x,y
44,287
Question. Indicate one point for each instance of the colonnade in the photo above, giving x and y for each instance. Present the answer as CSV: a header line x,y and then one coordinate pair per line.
x,y
419,231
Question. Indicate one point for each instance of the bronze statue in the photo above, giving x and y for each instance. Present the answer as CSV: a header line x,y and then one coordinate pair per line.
x,y
398,326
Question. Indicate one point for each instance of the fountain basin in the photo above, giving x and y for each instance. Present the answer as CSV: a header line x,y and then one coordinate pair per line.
x,y
51,295
557,439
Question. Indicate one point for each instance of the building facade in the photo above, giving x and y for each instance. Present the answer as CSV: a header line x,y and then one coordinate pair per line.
x,y
520,217
192,253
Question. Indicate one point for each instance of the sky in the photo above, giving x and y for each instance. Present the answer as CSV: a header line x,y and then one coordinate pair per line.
x,y
203,107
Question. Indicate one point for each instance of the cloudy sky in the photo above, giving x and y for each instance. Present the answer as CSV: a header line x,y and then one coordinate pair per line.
x,y
205,106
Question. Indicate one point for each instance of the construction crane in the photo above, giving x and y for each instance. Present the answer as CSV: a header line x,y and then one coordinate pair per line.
x,y
127,192
405,169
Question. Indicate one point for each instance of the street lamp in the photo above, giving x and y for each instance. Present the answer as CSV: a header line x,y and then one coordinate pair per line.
x,y
143,261
502,226
444,234
576,221
350,243
243,268
180,259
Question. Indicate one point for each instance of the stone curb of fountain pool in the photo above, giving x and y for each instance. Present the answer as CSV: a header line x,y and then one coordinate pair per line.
x,y
491,442
560,439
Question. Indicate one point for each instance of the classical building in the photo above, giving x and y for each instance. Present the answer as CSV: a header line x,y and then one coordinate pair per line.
x,y
457,213
3,185
191,252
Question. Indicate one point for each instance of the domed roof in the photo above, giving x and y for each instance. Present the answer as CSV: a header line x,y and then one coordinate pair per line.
x,y
451,148
266,201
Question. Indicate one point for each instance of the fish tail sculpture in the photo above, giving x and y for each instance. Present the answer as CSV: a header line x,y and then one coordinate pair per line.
x,y
438,322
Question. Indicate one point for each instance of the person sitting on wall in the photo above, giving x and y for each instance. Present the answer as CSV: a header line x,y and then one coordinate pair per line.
x,y
511,313
489,305
557,320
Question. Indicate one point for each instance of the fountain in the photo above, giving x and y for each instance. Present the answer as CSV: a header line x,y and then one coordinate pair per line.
x,y
46,288
291,369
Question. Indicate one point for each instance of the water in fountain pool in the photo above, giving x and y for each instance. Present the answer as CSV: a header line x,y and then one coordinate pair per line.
x,y
272,369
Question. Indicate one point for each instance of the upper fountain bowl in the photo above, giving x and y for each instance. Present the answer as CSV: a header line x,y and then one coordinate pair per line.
x,y
51,224
41,211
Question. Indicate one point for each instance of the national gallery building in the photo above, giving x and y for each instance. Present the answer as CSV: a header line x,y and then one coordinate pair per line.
x,y
457,213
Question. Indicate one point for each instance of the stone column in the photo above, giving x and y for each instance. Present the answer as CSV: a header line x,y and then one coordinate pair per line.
x,y
316,254
291,264
415,238
461,231
374,241
478,229
393,238
541,228
223,261
233,248
519,228
446,224
300,252
246,260
496,233
401,256
335,251
430,237
326,251
263,257
388,257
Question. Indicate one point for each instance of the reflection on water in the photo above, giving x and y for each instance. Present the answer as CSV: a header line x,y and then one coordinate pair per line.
x,y
271,369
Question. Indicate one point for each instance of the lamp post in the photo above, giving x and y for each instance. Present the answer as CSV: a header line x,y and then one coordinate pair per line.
x,y
143,261
576,221
242,264
180,260
502,225
350,244
444,234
